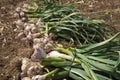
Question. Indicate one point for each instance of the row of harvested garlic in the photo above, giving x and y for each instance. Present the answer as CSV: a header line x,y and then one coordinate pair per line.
x,y
30,31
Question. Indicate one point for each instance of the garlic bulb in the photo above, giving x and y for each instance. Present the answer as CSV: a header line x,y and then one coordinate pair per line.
x,y
29,36
24,19
22,14
25,64
18,9
38,54
40,24
34,70
34,29
27,28
48,47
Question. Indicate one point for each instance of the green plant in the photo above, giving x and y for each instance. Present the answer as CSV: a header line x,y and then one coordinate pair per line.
x,y
68,23
95,58
98,61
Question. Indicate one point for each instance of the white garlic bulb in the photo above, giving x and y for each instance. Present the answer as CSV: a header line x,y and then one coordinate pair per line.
x,y
22,14
25,64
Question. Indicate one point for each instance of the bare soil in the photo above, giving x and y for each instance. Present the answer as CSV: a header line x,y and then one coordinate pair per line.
x,y
12,50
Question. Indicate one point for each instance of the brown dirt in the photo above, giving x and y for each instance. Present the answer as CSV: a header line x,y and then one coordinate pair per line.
x,y
12,50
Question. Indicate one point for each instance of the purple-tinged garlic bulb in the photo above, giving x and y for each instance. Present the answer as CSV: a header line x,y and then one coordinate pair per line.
x,y
25,64
26,78
18,9
38,54
34,70
39,77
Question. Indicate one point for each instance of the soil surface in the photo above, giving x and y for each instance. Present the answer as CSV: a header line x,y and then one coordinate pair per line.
x,y
12,50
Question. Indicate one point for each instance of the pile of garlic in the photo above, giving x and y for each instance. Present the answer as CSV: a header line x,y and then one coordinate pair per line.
x,y
30,31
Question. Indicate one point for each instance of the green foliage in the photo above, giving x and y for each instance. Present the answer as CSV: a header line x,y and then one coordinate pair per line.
x,y
68,23
96,58
86,65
